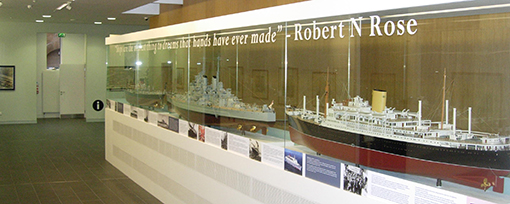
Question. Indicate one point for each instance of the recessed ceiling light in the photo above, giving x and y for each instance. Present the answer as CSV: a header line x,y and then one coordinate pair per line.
x,y
46,16
112,18
98,22
39,21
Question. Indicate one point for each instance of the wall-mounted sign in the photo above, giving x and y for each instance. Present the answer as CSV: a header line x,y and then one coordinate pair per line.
x,y
98,105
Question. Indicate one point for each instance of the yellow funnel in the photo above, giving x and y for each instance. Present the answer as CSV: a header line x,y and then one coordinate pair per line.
x,y
378,100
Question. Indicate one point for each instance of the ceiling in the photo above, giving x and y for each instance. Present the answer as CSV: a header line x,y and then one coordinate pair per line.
x,y
81,12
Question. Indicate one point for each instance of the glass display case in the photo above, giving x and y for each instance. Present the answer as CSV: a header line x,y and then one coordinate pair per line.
x,y
420,93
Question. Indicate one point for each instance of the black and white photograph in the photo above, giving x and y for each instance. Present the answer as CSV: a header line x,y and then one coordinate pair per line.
x,y
224,141
355,179
193,130
120,107
7,76
173,124
163,121
146,115
255,153
134,112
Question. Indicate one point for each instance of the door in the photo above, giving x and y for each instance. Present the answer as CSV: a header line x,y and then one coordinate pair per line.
x,y
72,74
72,89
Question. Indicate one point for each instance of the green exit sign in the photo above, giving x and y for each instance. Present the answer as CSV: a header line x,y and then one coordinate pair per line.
x,y
61,35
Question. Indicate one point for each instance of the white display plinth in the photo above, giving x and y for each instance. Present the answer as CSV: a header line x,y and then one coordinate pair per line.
x,y
177,169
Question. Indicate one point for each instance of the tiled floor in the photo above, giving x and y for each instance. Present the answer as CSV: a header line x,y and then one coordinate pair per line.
x,y
61,161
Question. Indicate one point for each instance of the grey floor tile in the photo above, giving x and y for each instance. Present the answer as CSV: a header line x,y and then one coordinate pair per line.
x,y
61,161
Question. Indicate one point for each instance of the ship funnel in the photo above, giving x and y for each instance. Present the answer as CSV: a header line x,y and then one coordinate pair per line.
x,y
214,82
378,100
469,120
454,120
204,78
304,103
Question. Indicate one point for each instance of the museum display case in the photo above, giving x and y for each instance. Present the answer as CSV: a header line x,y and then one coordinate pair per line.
x,y
419,93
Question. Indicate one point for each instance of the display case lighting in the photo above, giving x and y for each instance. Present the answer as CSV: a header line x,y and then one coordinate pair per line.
x,y
449,11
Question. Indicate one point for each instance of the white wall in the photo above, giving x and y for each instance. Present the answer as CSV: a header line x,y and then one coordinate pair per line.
x,y
24,45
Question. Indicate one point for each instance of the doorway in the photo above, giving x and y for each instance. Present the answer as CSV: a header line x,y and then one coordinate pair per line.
x,y
63,78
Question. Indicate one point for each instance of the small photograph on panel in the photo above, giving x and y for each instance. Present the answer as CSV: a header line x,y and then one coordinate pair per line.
x,y
146,118
293,161
224,141
255,153
163,121
201,133
193,130
173,124
134,112
355,179
108,104
120,107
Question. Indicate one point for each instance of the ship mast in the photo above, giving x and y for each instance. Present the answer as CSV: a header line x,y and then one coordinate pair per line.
x,y
326,96
444,93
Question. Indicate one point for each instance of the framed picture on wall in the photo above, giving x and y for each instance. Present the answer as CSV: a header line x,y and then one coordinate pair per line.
x,y
7,77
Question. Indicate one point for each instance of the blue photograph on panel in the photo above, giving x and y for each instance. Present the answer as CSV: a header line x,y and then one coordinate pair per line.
x,y
294,161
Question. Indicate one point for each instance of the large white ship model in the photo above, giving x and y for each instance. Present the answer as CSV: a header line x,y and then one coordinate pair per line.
x,y
212,104
402,141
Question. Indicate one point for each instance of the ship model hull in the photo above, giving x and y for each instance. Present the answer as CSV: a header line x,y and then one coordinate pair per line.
x,y
145,98
479,169
242,120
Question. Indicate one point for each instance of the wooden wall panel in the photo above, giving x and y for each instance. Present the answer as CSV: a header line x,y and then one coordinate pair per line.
x,y
192,10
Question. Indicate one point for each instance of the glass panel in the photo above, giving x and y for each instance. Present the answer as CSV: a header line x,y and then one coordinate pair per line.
x,y
234,80
423,95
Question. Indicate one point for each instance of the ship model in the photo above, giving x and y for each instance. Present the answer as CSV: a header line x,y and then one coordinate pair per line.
x,y
145,96
212,104
402,141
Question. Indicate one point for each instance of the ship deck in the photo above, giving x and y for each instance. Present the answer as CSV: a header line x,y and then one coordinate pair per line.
x,y
443,141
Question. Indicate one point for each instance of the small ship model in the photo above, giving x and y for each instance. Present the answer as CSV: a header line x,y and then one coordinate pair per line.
x,y
145,96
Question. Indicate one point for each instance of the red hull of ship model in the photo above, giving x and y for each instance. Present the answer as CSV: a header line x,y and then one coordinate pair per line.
x,y
466,175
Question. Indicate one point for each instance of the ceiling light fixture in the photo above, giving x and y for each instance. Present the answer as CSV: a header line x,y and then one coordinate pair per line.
x,y
98,22
1,3
46,16
111,18
39,21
